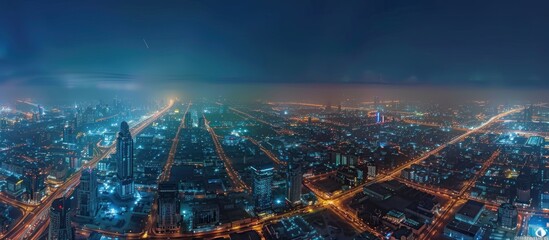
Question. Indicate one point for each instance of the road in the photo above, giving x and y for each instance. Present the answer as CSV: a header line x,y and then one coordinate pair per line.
x,y
457,201
166,171
338,200
238,184
267,152
40,213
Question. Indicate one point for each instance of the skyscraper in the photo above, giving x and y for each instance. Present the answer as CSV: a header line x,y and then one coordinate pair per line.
x,y
69,137
507,216
60,222
293,182
262,188
87,194
168,208
524,186
188,120
124,160
34,185
202,122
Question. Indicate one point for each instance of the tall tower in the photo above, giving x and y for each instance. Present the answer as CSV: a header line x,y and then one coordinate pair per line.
x,y
124,162
60,222
293,182
262,188
168,208
188,120
87,194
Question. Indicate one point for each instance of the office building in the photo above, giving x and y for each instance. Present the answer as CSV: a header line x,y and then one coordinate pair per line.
x,y
202,122
372,170
262,188
34,185
205,215
507,216
69,137
88,201
60,222
188,120
293,182
124,162
14,186
168,217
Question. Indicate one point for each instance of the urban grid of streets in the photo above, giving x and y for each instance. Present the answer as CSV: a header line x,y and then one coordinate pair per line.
x,y
35,219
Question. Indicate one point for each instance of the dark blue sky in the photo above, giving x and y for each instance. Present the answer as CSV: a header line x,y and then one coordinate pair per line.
x,y
100,43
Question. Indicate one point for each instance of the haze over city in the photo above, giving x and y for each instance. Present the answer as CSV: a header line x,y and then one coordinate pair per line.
x,y
274,120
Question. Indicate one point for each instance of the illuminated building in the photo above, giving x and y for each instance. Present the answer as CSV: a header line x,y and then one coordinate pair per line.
x,y
507,216
168,208
262,188
60,223
87,194
538,226
69,137
372,173
544,196
124,162
34,184
293,182
14,186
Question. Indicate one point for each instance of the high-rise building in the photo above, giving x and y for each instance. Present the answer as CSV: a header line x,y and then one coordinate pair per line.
x,y
202,122
188,120
372,170
69,137
524,186
124,162
168,215
507,216
88,201
544,196
14,186
60,222
293,182
34,185
262,188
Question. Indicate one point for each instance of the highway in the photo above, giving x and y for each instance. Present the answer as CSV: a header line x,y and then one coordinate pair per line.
x,y
40,214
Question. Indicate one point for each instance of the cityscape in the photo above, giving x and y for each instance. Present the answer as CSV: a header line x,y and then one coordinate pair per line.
x,y
107,134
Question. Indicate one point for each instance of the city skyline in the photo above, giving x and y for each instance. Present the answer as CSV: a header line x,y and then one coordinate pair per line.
x,y
286,120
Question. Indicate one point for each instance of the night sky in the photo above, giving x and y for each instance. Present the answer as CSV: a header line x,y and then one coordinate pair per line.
x,y
101,44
